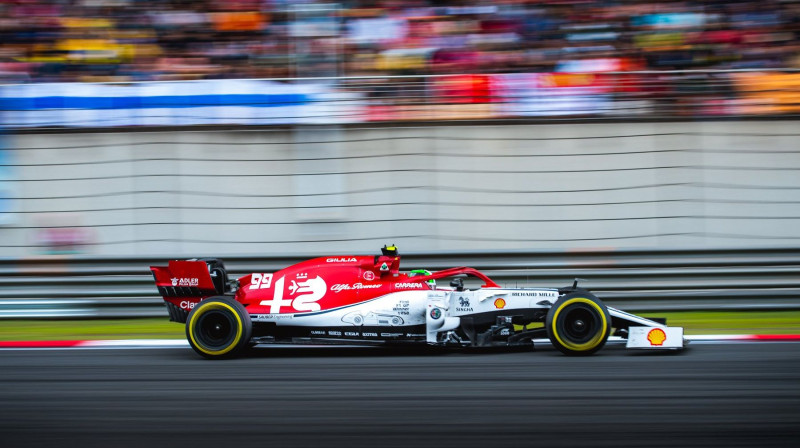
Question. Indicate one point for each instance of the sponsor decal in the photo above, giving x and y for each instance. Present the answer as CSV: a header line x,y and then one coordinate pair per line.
x,y
499,303
315,286
463,305
402,307
436,313
306,293
408,285
187,304
533,294
317,332
260,281
656,337
341,260
384,266
369,276
351,333
339,287
391,335
302,276
370,335
334,333
185,281
269,317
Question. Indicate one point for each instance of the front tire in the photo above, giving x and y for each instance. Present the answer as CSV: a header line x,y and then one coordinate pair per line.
x,y
578,324
219,327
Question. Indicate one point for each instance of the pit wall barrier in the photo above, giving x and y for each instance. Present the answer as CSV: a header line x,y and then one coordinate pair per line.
x,y
71,287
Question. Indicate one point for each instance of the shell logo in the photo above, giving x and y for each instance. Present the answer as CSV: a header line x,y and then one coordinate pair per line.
x,y
500,303
656,336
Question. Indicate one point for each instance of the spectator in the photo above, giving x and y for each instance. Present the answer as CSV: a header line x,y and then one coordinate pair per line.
x,y
130,40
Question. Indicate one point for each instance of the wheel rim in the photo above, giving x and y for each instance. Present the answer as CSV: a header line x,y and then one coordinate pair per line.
x,y
216,329
580,323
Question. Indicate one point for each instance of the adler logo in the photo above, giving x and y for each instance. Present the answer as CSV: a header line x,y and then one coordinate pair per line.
x,y
185,281
341,260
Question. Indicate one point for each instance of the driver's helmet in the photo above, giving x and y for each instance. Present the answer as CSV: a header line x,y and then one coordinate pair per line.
x,y
416,272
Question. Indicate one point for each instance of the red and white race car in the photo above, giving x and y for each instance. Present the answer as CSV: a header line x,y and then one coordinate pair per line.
x,y
367,299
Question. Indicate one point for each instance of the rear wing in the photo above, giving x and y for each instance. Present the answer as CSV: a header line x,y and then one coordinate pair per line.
x,y
184,283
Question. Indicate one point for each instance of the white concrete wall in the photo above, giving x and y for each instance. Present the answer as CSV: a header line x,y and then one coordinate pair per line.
x,y
653,185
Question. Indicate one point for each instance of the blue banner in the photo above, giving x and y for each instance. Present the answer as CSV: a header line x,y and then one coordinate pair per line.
x,y
180,103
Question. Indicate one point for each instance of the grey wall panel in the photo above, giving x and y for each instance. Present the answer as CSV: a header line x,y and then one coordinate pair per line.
x,y
313,189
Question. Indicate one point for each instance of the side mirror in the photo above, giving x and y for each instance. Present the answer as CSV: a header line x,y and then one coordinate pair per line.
x,y
457,283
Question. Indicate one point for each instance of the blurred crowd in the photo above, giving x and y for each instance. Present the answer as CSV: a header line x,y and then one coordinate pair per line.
x,y
137,40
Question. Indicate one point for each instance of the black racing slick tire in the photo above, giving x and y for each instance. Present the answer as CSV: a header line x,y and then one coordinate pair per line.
x,y
218,328
578,324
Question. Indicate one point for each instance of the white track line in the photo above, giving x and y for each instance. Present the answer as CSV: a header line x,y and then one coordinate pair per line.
x,y
144,343
182,343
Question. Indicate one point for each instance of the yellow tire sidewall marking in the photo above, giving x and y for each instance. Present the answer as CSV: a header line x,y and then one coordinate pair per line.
x,y
212,306
595,341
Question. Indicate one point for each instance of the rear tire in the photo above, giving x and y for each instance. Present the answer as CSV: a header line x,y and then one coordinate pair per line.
x,y
578,324
219,327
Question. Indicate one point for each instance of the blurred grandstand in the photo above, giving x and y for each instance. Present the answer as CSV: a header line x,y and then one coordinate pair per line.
x,y
405,60
131,40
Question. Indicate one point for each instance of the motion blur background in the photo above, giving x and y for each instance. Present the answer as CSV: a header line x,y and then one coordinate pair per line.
x,y
595,138
649,147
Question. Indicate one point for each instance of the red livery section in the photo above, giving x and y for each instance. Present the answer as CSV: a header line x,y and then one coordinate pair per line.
x,y
322,284
314,285
190,275
183,284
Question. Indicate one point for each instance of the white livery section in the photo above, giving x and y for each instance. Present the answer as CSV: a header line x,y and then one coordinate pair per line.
x,y
441,311
648,334
655,338
402,308
413,308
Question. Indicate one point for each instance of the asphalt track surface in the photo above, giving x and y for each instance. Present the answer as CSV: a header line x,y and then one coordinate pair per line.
x,y
743,394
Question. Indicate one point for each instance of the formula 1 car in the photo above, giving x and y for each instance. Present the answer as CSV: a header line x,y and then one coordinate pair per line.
x,y
367,299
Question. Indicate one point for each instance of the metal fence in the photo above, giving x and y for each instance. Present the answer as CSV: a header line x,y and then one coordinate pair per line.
x,y
406,98
635,280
